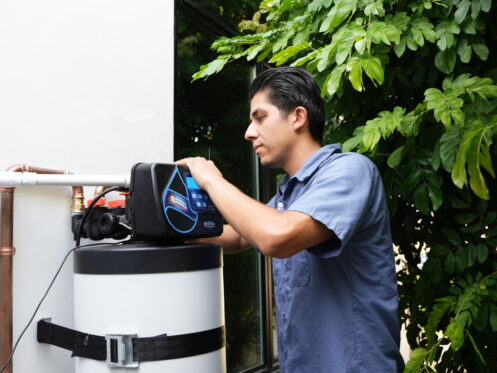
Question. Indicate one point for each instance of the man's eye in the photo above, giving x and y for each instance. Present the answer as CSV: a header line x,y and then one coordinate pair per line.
x,y
260,118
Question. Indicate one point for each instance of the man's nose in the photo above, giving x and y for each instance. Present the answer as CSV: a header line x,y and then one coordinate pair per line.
x,y
250,133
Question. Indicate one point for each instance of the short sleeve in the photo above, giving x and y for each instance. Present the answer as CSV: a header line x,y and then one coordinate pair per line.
x,y
272,202
338,195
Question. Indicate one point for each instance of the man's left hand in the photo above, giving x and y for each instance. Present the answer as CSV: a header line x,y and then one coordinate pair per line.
x,y
203,171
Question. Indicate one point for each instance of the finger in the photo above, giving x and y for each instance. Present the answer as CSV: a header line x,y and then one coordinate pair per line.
x,y
182,162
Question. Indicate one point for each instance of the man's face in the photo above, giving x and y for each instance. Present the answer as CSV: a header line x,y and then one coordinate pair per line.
x,y
270,133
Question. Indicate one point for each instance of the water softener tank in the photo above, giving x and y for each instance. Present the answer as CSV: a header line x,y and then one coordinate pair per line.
x,y
141,290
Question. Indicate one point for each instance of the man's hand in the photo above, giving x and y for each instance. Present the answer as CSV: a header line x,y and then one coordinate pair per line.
x,y
202,170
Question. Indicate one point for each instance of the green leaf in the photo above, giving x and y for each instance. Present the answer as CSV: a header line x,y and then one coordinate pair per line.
x,y
282,56
489,218
474,151
335,78
400,48
472,228
371,137
303,60
254,51
211,68
462,10
421,200
482,250
469,28
492,317
344,47
400,20
464,51
283,40
436,160
475,8
449,263
354,141
452,236
417,35
486,5
482,317
360,45
465,218
380,32
445,34
434,186
395,158
339,13
461,257
449,143
323,56
446,60
462,318
409,125
472,253
355,75
375,8
481,51
460,201
446,106
479,157
456,334
441,306
411,44
416,361
372,67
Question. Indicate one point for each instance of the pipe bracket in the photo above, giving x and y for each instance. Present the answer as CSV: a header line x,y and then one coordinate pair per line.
x,y
7,251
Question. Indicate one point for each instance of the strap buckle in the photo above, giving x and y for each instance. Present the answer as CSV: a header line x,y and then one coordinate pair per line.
x,y
120,351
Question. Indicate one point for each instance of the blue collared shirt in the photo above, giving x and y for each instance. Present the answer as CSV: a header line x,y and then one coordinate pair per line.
x,y
337,302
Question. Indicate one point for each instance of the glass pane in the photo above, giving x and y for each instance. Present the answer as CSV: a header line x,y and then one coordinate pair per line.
x,y
210,120
270,179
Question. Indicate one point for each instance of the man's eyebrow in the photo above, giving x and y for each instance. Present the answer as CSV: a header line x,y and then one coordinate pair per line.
x,y
254,113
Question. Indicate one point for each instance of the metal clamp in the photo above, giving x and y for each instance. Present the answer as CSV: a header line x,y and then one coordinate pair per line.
x,y
120,351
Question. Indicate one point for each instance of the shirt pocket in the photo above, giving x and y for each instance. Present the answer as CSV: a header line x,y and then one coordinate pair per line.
x,y
299,274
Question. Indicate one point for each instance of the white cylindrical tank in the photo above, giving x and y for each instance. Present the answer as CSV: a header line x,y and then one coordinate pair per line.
x,y
149,290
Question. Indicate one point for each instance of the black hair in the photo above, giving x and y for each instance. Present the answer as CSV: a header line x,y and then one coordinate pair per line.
x,y
289,87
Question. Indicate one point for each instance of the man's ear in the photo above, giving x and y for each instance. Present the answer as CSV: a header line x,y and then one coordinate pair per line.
x,y
300,117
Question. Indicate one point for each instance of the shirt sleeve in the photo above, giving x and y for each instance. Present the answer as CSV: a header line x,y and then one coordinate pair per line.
x,y
272,202
338,196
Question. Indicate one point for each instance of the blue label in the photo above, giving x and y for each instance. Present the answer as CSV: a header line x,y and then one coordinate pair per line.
x,y
179,203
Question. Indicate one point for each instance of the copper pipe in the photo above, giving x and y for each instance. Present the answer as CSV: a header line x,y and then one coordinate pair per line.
x,y
7,252
77,199
100,189
6,229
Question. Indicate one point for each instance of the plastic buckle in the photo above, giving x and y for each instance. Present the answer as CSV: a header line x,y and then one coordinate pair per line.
x,y
120,351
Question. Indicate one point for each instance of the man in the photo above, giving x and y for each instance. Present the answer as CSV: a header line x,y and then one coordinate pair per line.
x,y
327,231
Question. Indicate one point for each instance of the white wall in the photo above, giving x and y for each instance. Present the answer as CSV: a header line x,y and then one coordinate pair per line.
x,y
85,86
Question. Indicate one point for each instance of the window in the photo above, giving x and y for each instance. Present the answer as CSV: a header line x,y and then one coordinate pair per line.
x,y
210,119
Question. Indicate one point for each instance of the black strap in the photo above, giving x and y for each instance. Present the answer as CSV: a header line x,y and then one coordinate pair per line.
x,y
161,347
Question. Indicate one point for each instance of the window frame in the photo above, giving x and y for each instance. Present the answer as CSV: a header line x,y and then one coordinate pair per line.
x,y
261,186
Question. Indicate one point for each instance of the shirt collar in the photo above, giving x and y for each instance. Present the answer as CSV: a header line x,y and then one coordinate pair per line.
x,y
312,164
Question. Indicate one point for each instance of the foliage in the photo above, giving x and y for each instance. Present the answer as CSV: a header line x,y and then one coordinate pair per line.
x,y
411,84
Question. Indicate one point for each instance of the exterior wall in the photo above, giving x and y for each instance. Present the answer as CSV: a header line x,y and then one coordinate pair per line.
x,y
85,86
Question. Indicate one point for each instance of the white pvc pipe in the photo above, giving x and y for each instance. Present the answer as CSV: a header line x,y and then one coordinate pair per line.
x,y
16,179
